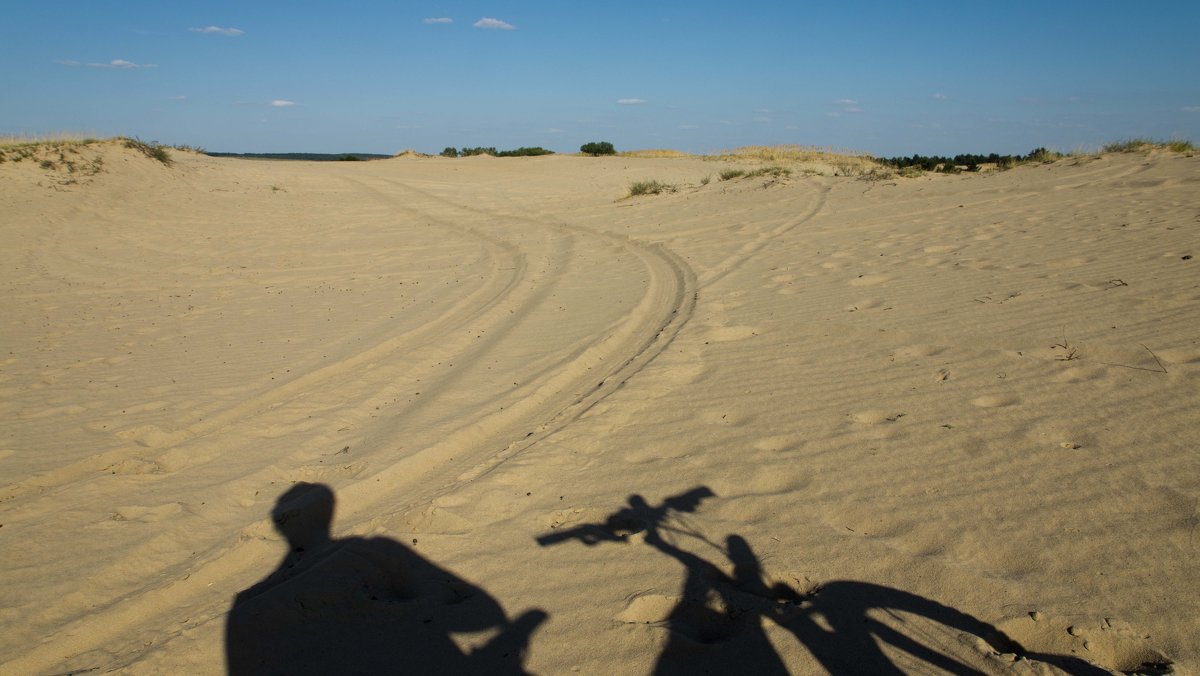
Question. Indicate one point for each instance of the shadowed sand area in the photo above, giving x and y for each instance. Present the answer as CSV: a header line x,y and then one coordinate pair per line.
x,y
960,411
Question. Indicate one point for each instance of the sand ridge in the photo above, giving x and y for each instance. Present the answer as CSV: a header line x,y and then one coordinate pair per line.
x,y
962,398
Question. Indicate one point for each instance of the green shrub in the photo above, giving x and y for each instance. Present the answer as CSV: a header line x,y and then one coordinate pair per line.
x,y
649,188
597,148
729,174
525,152
349,158
450,152
471,152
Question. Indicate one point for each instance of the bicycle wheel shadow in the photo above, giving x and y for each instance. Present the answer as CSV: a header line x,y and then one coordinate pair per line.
x,y
363,605
717,623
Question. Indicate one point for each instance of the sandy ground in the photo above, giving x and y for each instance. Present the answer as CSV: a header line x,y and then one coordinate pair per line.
x,y
819,423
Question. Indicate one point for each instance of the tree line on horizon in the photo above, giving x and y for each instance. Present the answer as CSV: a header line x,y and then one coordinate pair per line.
x,y
971,161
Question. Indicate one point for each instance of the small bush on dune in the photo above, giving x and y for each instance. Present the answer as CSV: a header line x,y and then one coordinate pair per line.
x,y
649,188
730,174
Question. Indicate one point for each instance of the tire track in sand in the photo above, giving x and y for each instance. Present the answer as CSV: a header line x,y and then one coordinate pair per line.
x,y
591,374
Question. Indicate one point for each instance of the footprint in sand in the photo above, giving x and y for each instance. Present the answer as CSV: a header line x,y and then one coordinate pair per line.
x,y
870,280
876,416
1109,643
911,351
147,514
723,334
995,400
779,443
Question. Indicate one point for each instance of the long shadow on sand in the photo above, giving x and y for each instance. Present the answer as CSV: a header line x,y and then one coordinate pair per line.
x,y
717,624
363,605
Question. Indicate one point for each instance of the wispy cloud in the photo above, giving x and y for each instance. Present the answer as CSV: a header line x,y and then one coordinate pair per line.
x,y
439,19
938,96
217,30
1191,109
121,64
282,103
631,102
489,22
846,102
853,110
177,98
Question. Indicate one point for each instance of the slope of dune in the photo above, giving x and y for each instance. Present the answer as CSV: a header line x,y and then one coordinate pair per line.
x,y
818,422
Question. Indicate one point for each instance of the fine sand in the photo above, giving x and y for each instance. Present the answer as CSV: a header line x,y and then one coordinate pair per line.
x,y
811,422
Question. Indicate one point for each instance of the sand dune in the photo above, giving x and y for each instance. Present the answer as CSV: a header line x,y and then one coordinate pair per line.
x,y
918,424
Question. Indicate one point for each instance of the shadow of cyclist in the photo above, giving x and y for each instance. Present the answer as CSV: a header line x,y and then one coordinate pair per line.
x,y
363,605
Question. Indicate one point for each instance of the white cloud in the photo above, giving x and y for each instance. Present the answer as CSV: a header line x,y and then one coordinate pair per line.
x,y
488,22
939,97
846,102
853,110
440,19
217,30
120,64
282,103
1191,109
833,114
177,98
631,102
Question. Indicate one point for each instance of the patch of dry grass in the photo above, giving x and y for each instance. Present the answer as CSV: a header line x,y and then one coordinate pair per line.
x,y
821,161
654,153
1135,145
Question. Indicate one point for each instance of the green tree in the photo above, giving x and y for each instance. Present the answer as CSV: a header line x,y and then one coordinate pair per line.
x,y
450,152
597,148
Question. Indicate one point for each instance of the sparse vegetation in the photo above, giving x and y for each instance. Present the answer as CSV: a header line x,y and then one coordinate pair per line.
x,y
649,188
597,148
654,153
705,180
56,154
775,172
1135,145
152,149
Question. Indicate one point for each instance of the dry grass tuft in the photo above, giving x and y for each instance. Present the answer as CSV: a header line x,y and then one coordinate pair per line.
x,y
650,188
820,161
1136,145
654,153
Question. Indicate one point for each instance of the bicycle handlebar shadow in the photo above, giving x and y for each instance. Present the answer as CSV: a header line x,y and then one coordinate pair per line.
x,y
717,625
363,605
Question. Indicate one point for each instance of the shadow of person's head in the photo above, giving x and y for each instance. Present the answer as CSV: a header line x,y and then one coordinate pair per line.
x,y
304,515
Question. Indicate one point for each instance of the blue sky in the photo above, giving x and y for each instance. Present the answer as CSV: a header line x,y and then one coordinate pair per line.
x,y
888,78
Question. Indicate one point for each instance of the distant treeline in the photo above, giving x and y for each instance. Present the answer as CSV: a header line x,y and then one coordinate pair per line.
x,y
519,152
316,157
971,162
